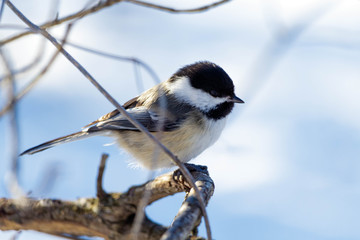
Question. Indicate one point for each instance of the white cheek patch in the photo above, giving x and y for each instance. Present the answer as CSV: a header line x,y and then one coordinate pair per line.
x,y
183,90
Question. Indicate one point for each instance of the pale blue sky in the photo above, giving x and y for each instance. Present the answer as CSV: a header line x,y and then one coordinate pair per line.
x,y
286,166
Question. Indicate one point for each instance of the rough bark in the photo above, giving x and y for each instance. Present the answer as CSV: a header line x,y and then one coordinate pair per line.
x,y
110,215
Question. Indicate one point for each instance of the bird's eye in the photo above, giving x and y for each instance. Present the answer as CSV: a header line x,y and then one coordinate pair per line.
x,y
214,93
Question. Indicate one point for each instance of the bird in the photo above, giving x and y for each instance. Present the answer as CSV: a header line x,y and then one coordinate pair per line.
x,y
187,112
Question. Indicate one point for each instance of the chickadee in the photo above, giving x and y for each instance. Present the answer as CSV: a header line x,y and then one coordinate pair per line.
x,y
189,112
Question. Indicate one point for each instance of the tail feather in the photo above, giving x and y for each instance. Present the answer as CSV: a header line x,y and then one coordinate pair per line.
x,y
57,141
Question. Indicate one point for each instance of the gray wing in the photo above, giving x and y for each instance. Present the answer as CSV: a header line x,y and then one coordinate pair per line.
x,y
151,120
128,105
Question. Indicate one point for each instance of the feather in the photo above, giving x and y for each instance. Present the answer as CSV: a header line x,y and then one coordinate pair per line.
x,y
57,141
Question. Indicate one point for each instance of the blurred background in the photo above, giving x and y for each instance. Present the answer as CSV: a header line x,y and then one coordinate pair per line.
x,y
287,165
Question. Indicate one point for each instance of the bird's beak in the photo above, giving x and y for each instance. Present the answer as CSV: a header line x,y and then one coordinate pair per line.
x,y
235,99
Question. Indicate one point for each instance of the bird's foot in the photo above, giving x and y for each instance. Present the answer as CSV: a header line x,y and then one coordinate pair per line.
x,y
178,176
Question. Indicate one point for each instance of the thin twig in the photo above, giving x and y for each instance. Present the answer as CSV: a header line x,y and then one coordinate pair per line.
x,y
138,79
100,193
36,79
174,158
79,14
144,201
16,235
31,65
53,10
283,38
174,10
2,8
140,213
108,3
120,58
13,176
47,180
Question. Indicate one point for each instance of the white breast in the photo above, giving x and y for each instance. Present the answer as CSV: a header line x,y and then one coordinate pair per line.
x,y
186,143
202,140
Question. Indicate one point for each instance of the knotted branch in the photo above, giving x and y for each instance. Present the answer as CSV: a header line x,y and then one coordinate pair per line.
x,y
110,217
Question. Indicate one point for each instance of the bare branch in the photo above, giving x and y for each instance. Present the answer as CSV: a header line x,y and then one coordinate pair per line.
x,y
174,158
120,58
100,193
36,79
13,174
2,8
283,38
189,213
40,52
140,212
30,65
104,4
16,235
79,14
138,79
174,10
110,219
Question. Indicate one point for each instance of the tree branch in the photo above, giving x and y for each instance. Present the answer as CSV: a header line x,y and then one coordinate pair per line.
x,y
174,10
104,4
36,79
12,182
100,193
111,218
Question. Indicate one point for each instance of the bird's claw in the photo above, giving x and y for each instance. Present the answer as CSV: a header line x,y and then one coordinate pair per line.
x,y
179,177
